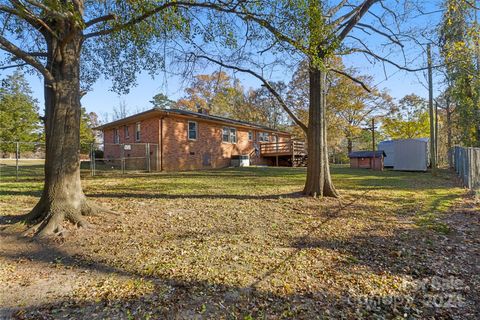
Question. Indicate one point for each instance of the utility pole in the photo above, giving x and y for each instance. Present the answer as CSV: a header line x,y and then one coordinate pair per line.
x,y
433,151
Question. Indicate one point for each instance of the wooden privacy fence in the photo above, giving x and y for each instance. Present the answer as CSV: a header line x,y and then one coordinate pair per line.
x,y
466,162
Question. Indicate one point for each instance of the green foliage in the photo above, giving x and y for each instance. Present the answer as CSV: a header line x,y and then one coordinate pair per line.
x,y
88,121
19,116
410,120
349,106
223,96
459,35
161,101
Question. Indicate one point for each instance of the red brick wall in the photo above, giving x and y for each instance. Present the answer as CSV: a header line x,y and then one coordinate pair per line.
x,y
179,153
366,163
149,129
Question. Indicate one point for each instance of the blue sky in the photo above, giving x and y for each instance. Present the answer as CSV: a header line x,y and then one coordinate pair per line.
x,y
102,100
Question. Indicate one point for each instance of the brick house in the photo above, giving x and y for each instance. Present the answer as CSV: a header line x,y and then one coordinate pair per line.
x,y
185,140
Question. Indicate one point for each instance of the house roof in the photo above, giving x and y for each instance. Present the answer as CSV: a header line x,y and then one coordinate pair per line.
x,y
366,154
185,113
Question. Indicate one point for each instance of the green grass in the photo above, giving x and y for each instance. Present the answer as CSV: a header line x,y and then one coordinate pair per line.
x,y
239,243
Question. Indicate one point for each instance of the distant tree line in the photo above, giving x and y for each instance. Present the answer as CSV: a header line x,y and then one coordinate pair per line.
x,y
21,119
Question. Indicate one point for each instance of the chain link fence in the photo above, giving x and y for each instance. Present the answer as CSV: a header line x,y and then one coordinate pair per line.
x,y
466,162
26,160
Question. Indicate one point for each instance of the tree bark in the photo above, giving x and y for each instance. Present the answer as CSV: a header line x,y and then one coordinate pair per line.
x,y
349,144
62,197
318,182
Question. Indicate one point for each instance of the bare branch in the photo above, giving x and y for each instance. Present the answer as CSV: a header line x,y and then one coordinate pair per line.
x,y
388,36
265,83
19,53
13,66
360,82
361,10
100,19
383,59
336,8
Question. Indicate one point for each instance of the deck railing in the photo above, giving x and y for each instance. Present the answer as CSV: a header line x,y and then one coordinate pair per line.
x,y
292,147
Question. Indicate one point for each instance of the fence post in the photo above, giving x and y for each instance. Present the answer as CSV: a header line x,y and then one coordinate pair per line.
x,y
470,168
92,159
122,158
147,155
17,155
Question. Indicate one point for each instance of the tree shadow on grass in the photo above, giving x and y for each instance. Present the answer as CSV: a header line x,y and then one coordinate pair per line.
x,y
195,196
179,298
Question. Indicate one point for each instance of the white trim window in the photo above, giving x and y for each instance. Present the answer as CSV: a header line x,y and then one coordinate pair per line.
x,y
250,135
126,132
116,136
225,134
263,137
229,135
138,130
233,135
192,130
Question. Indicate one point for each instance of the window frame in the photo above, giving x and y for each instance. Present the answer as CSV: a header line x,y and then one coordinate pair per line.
x,y
196,130
263,137
138,131
250,135
233,130
116,136
126,132
227,134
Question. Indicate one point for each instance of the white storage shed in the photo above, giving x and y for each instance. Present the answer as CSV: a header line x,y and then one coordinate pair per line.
x,y
387,147
406,154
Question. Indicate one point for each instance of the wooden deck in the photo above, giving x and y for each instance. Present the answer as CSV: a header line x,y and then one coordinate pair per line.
x,y
288,148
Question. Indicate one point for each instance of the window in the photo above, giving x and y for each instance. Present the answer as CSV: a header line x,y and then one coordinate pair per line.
x,y
116,136
263,137
229,135
250,135
192,130
225,134
127,133
137,131
233,135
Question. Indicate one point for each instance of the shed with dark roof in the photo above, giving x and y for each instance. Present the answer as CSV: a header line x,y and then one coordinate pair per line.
x,y
367,159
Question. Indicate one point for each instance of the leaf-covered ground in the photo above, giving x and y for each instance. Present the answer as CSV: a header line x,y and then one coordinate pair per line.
x,y
243,244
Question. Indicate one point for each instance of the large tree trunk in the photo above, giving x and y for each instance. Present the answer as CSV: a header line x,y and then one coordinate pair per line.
x,y
62,197
319,182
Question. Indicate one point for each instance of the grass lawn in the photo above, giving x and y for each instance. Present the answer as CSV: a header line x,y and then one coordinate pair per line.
x,y
242,244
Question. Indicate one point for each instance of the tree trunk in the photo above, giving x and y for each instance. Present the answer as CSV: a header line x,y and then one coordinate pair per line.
x,y
318,181
349,145
62,197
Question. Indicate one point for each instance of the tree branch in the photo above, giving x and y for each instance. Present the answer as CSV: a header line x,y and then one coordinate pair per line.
x,y
360,12
100,19
13,66
360,82
136,20
383,59
380,32
19,53
265,83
